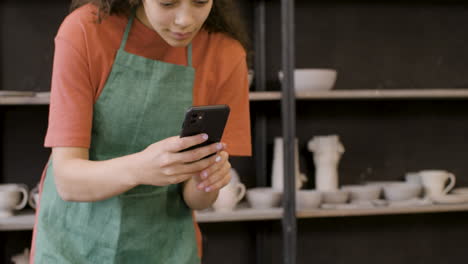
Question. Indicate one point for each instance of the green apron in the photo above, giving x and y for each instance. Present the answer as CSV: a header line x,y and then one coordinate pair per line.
x,y
142,102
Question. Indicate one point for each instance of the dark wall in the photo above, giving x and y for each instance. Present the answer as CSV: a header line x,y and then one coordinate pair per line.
x,y
27,30
377,44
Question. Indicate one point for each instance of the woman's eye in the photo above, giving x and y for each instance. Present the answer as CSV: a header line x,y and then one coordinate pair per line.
x,y
166,4
201,2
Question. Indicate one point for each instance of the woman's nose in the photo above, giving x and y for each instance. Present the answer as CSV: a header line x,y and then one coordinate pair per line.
x,y
184,17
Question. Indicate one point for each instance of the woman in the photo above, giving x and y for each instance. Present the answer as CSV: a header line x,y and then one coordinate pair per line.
x,y
117,189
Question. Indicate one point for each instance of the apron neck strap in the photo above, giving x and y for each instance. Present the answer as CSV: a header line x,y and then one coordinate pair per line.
x,y
127,29
189,55
127,32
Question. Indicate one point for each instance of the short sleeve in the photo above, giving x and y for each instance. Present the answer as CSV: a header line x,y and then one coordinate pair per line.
x,y
234,91
72,94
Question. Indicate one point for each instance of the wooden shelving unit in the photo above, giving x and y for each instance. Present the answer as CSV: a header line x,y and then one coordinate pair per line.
x,y
385,210
25,219
367,94
386,94
43,99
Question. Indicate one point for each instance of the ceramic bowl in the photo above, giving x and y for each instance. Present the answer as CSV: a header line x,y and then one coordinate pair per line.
x,y
263,198
382,183
401,191
251,77
363,192
309,80
335,197
308,199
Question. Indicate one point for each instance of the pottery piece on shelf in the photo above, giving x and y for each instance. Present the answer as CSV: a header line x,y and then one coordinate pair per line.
x,y
12,197
263,197
230,195
335,197
437,182
308,199
278,166
327,153
22,258
401,191
363,192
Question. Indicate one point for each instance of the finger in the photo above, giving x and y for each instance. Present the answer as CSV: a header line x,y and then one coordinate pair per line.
x,y
215,176
218,180
178,144
220,160
176,179
198,153
186,168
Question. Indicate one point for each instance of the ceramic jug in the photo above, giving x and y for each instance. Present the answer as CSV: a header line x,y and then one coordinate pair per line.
x,y
327,153
230,195
278,166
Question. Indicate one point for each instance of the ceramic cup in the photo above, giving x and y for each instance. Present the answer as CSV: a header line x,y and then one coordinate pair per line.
x,y
34,197
12,197
435,182
229,196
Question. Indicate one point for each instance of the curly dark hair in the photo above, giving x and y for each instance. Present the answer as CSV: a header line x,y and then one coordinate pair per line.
x,y
224,16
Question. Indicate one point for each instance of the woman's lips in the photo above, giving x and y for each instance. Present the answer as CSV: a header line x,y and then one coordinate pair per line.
x,y
181,36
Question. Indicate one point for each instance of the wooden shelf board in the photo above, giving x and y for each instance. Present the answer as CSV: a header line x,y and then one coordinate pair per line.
x,y
367,94
435,208
24,100
242,214
43,99
264,96
25,220
386,94
22,221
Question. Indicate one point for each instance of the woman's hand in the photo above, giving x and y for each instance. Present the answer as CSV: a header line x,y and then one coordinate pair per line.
x,y
201,191
163,164
217,175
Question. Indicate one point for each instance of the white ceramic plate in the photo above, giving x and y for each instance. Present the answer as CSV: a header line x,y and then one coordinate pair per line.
x,y
451,199
460,190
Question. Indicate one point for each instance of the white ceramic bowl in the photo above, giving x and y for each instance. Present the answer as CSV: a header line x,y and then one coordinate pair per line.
x,y
363,192
402,191
251,77
263,197
383,183
335,197
309,80
308,199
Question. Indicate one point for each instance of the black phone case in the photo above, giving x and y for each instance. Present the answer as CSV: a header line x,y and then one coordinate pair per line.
x,y
210,119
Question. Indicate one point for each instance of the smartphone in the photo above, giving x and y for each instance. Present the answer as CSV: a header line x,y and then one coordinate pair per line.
x,y
209,119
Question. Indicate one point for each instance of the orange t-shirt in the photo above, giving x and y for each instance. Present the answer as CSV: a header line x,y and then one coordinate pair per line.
x,y
84,53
